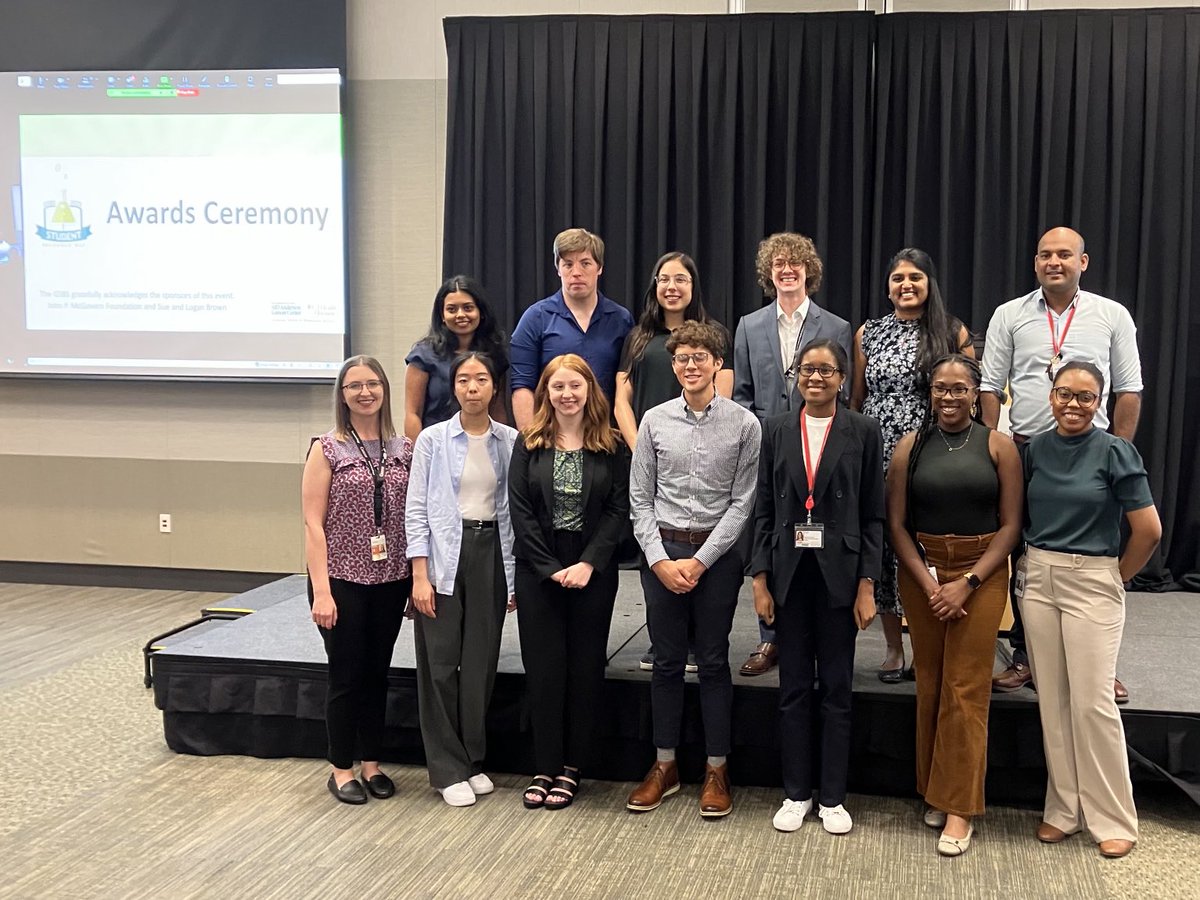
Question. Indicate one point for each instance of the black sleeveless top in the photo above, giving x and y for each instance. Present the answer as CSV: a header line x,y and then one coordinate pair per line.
x,y
955,491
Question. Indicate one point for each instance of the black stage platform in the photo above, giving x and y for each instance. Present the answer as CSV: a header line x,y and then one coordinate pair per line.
x,y
255,686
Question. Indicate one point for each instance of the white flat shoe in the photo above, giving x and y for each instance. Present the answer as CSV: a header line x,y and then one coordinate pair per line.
x,y
791,815
481,784
835,819
458,794
934,818
949,846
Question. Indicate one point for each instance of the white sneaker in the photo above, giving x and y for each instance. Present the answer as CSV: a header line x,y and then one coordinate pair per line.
x,y
481,784
459,794
791,814
835,819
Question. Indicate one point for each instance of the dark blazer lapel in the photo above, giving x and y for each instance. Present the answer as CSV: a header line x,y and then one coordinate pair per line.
x,y
544,464
771,333
839,437
789,438
590,503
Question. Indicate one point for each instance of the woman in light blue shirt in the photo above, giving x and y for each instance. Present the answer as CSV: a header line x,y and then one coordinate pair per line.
x,y
460,541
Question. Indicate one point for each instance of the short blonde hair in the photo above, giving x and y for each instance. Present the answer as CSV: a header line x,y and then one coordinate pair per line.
x,y
796,247
574,240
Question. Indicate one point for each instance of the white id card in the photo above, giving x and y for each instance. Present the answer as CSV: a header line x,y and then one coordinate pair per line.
x,y
378,548
1019,586
810,536
933,572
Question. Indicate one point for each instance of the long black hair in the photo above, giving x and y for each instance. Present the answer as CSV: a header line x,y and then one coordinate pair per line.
x,y
938,329
651,321
488,338
929,417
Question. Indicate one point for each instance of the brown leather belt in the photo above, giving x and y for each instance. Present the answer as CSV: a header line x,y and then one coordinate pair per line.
x,y
684,537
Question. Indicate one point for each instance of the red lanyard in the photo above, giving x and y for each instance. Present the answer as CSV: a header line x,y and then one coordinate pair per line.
x,y
810,464
1056,346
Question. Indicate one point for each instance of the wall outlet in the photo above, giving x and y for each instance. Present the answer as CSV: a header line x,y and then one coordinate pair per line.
x,y
164,523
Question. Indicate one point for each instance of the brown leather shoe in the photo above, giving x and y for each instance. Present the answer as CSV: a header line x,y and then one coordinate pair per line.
x,y
1012,679
714,796
1115,848
1121,695
661,781
764,658
1048,834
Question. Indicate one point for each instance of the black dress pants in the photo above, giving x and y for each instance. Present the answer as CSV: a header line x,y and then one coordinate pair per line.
x,y
359,649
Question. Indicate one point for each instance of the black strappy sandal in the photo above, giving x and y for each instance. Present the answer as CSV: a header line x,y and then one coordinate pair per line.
x,y
565,787
540,786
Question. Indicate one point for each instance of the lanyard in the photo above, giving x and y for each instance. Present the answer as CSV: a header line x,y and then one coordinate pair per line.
x,y
810,464
376,473
1056,346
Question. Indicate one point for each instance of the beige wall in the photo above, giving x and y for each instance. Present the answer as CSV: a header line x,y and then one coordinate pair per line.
x,y
86,467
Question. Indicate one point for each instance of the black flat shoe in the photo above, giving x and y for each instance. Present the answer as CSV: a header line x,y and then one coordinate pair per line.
x,y
379,786
891,676
350,792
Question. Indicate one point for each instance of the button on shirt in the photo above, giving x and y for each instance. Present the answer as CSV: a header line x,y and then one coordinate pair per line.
x,y
548,329
1018,348
790,328
694,472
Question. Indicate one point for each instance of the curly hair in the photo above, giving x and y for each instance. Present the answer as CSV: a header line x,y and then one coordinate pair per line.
x,y
796,248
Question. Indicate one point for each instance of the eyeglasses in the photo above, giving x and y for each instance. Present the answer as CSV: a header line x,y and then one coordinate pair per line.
x,y
678,280
1066,395
355,386
808,370
779,264
957,391
700,357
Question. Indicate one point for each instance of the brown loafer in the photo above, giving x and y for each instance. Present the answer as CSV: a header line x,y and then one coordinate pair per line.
x,y
1115,848
1121,695
661,781
1012,679
1048,834
715,799
764,658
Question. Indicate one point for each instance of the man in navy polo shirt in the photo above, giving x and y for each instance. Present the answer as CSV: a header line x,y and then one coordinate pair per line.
x,y
577,318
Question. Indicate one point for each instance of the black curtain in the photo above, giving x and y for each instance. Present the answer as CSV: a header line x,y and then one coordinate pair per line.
x,y
965,134
693,133
992,128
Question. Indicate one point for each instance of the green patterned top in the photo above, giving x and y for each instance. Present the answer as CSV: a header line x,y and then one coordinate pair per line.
x,y
568,490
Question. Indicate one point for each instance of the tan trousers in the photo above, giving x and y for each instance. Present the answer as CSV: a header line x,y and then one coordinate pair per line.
x,y
1074,612
953,662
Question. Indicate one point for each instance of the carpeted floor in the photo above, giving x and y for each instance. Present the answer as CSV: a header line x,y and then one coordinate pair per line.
x,y
95,805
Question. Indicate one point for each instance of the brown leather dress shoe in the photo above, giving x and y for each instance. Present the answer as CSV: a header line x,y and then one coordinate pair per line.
x,y
1012,679
764,658
1048,834
715,799
661,781
1115,848
1121,695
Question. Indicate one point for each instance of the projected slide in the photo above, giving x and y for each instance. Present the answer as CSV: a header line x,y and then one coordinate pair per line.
x,y
202,236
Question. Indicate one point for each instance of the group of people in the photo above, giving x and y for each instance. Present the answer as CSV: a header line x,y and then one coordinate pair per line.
x,y
850,475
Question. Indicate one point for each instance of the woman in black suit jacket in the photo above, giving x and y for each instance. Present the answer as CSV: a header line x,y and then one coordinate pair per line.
x,y
569,497
818,542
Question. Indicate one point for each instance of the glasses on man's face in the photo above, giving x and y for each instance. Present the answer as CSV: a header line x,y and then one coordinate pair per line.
x,y
700,357
1066,395
355,386
957,391
781,264
808,370
677,280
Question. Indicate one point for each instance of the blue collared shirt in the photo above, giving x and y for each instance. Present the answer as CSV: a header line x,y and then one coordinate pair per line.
x,y
548,329
431,517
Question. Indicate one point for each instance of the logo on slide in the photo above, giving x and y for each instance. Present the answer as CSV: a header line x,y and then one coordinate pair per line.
x,y
62,221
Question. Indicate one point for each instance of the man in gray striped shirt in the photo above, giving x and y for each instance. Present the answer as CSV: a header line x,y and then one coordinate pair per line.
x,y
691,492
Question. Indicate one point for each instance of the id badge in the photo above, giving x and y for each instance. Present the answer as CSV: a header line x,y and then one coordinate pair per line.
x,y
1019,584
810,536
378,548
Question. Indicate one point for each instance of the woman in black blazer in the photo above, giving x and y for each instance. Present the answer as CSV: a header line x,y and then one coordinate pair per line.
x,y
818,542
569,497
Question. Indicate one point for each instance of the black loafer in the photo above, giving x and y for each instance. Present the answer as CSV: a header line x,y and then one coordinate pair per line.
x,y
891,676
350,792
379,786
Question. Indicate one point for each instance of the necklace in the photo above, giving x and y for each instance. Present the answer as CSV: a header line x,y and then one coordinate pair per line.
x,y
950,447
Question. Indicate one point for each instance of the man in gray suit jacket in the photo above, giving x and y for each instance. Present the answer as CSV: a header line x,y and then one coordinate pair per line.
x,y
765,349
